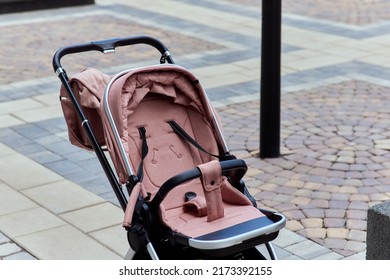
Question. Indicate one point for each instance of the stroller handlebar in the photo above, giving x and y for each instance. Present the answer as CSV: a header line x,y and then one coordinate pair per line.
x,y
107,46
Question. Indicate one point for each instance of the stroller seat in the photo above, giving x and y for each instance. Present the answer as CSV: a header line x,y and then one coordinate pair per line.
x,y
168,128
170,155
186,193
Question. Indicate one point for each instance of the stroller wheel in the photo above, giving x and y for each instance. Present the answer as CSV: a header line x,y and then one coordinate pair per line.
x,y
250,254
142,255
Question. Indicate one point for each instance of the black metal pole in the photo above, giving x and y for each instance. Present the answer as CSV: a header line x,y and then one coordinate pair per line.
x,y
270,79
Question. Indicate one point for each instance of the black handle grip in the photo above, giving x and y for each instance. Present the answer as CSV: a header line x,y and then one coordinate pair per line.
x,y
109,45
235,169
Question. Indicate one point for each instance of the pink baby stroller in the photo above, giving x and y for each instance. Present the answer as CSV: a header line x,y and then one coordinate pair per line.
x,y
180,188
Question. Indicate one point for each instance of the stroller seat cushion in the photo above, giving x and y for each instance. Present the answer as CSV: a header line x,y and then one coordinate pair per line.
x,y
168,155
197,205
190,225
191,218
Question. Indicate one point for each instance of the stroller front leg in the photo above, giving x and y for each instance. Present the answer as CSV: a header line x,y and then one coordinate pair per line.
x,y
271,250
151,250
146,253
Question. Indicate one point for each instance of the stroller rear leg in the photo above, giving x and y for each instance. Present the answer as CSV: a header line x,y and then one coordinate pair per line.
x,y
151,251
130,254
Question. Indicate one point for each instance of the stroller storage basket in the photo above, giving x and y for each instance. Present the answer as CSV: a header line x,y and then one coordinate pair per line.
x,y
186,197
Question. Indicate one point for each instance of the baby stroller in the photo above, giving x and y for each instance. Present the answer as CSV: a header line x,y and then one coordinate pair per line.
x,y
179,186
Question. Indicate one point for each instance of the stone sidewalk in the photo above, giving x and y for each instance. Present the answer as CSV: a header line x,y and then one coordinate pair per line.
x,y
55,203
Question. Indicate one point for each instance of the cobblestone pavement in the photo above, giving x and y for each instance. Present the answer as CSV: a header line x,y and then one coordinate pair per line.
x,y
334,130
357,12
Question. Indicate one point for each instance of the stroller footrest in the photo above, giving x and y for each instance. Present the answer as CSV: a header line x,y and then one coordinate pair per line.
x,y
239,233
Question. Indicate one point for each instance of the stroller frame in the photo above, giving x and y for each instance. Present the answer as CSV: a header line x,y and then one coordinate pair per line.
x,y
140,234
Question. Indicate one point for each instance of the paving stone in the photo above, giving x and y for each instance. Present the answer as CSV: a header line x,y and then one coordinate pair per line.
x,y
355,246
356,224
313,186
295,183
338,204
378,197
334,222
321,195
358,205
353,182
366,190
20,256
338,233
301,200
335,243
303,193
312,223
283,198
359,197
95,217
62,196
294,225
8,249
357,256
11,201
348,189
3,238
307,250
287,207
114,238
38,219
357,235
329,256
357,214
33,173
335,213
354,175
315,233
314,213
294,214
319,203
65,242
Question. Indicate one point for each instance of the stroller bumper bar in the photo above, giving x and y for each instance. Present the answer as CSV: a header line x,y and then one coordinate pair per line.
x,y
239,233
236,168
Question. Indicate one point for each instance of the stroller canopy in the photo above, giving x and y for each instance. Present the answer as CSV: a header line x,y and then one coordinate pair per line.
x,y
128,89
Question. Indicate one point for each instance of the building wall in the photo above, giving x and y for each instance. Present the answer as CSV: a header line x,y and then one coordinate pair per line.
x,y
12,6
